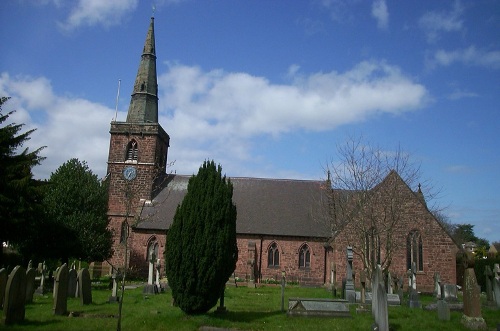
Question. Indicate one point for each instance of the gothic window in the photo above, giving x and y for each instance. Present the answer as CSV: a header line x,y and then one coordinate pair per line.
x,y
304,257
273,256
132,151
372,246
414,250
123,232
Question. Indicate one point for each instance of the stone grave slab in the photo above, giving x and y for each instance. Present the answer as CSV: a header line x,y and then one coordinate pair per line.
x,y
3,284
318,307
72,275
61,290
392,299
15,296
30,284
449,292
85,286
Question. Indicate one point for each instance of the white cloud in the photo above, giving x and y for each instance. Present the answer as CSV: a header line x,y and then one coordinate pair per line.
x,y
213,114
468,56
433,23
380,13
461,94
69,127
94,12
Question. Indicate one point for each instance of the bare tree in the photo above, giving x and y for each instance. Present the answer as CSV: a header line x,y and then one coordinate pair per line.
x,y
365,191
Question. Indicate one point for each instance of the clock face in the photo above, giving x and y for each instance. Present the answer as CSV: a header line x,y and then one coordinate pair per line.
x,y
129,173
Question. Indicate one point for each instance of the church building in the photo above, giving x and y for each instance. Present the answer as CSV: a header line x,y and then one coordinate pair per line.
x,y
278,228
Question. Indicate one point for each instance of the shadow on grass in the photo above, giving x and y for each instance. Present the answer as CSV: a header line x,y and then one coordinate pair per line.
x,y
244,316
36,323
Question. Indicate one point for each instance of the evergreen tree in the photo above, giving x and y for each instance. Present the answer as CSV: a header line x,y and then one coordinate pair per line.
x,y
20,194
76,203
201,250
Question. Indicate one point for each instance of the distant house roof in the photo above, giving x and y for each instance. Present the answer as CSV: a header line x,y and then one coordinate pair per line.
x,y
494,248
280,207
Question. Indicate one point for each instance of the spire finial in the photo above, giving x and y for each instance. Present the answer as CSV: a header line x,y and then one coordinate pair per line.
x,y
154,9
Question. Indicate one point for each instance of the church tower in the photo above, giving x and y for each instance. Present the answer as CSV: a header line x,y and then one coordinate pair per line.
x,y
137,154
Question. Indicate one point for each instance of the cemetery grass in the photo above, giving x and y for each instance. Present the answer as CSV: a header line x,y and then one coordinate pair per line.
x,y
248,309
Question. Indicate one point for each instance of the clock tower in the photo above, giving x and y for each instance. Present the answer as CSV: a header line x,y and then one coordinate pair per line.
x,y
137,154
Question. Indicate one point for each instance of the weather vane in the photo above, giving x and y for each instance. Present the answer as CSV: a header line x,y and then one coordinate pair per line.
x,y
154,9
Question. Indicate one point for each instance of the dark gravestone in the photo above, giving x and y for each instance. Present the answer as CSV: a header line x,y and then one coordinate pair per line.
x,y
488,274
30,284
472,317
443,310
3,284
61,290
496,284
72,283
15,296
85,286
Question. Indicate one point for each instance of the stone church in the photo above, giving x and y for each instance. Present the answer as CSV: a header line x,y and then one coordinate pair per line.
x,y
277,227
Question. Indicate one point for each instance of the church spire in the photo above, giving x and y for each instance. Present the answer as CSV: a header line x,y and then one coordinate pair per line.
x,y
144,102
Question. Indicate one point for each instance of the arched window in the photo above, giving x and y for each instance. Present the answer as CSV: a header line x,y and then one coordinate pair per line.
x,y
123,232
132,151
273,256
304,257
414,250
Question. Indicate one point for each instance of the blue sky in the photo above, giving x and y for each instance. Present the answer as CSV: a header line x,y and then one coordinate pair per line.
x,y
270,88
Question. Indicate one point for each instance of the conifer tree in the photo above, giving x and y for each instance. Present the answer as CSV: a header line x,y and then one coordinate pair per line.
x,y
201,250
20,194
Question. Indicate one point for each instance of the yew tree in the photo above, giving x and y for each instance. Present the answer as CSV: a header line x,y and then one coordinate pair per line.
x,y
201,250
20,194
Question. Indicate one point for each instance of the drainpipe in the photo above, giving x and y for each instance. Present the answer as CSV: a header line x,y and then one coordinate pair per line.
x,y
260,258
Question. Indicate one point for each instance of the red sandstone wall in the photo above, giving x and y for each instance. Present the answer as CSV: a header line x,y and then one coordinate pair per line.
x,y
439,250
289,259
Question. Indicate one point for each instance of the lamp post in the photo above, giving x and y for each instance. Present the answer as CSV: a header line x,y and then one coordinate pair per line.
x,y
283,274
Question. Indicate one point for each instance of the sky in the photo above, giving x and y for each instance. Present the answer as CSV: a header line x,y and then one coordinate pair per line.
x,y
269,88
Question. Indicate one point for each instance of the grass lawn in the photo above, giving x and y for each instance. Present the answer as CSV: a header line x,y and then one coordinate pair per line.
x,y
248,309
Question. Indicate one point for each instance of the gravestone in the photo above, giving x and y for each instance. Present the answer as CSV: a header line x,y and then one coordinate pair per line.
x,y
443,309
54,282
85,286
472,297
449,292
158,268
389,283
3,284
437,285
400,289
15,296
42,271
350,292
114,292
362,278
318,307
30,284
381,313
414,298
488,274
61,290
150,287
72,288
251,263
496,284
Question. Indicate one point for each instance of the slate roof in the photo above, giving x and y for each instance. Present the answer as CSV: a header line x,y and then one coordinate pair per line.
x,y
280,207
